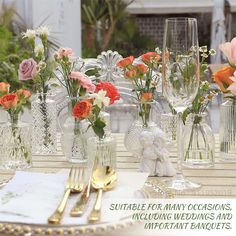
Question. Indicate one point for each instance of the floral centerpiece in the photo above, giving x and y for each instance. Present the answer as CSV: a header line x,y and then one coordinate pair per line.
x,y
144,76
101,149
77,85
14,136
226,80
39,70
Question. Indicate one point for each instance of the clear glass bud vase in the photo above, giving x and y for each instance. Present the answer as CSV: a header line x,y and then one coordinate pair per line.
x,y
74,136
101,152
15,144
228,131
143,122
198,142
44,134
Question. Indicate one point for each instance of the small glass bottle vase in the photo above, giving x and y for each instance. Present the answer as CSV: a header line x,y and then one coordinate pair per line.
x,y
198,142
15,144
74,136
228,131
44,134
101,152
143,122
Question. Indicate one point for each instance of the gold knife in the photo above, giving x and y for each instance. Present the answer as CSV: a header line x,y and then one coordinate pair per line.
x,y
80,204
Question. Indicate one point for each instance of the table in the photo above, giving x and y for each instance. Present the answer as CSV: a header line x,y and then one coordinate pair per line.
x,y
217,182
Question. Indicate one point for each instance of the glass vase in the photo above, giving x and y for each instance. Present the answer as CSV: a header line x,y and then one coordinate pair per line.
x,y
75,134
143,122
228,131
15,145
101,152
198,142
44,133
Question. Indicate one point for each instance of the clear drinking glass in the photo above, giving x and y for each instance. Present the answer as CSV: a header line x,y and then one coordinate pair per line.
x,y
180,79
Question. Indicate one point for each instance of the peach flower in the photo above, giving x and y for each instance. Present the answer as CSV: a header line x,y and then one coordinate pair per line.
x,y
4,87
64,52
9,101
150,57
142,68
24,92
146,97
229,50
125,62
131,74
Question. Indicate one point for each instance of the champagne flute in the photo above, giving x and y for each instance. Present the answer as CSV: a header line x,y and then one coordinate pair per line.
x,y
180,80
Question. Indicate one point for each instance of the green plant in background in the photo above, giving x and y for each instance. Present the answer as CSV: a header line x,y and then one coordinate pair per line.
x,y
107,25
11,54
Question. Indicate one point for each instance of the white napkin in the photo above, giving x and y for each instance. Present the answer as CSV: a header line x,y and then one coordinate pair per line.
x,y
32,197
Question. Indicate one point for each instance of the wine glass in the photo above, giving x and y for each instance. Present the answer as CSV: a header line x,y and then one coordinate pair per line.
x,y
180,80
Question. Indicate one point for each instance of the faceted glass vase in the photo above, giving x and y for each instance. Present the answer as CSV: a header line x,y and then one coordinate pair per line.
x,y
198,143
228,131
75,134
15,145
44,133
101,152
142,123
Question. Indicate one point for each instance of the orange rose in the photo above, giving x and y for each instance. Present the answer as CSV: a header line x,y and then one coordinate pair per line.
x,y
82,109
146,97
131,74
142,68
150,57
125,62
222,77
4,87
9,101
24,92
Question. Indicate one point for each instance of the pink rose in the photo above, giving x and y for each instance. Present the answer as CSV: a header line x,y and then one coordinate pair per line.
x,y
64,52
85,82
27,69
229,49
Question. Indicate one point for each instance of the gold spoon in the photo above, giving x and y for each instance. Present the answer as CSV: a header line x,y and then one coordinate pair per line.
x,y
103,178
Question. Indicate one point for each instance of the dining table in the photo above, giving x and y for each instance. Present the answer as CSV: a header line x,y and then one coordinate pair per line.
x,y
217,182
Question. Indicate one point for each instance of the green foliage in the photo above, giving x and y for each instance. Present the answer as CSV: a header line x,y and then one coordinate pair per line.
x,y
107,25
11,54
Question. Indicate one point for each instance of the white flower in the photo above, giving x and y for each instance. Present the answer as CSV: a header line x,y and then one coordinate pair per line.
x,y
212,52
203,49
39,49
30,34
100,98
43,31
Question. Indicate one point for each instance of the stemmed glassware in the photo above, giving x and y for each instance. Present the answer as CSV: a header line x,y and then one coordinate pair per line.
x,y
180,80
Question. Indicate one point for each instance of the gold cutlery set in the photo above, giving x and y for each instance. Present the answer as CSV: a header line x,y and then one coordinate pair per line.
x,y
103,178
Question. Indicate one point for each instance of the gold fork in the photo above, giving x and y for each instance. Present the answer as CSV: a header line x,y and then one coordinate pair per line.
x,y
74,184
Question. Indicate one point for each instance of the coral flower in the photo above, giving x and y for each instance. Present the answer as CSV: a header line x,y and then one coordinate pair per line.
x,y
82,109
222,77
125,62
9,101
4,87
151,57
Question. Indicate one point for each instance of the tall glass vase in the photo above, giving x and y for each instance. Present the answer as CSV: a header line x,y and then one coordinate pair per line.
x,y
15,144
143,122
228,131
198,143
74,136
44,134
